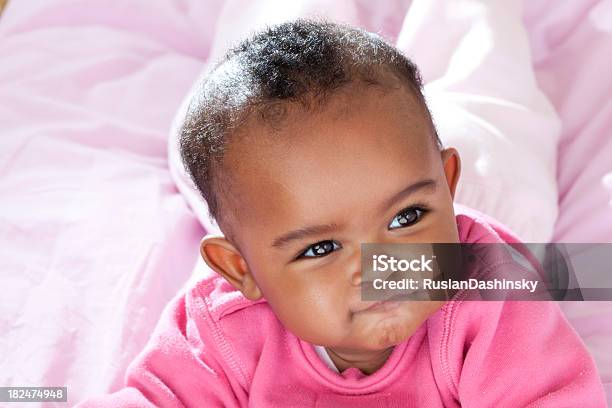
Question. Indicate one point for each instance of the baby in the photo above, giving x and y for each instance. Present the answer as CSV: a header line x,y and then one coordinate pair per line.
x,y
307,140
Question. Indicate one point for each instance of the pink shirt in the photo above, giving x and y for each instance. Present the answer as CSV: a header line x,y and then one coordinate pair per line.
x,y
214,348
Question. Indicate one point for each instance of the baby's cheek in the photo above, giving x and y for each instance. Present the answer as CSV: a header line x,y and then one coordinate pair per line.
x,y
313,315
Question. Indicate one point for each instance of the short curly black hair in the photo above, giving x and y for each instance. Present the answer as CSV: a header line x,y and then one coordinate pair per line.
x,y
299,61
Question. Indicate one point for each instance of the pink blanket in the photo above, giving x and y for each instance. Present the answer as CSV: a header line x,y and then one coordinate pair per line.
x,y
95,238
572,49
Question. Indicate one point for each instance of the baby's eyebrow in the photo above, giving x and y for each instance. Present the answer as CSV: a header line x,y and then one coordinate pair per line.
x,y
428,185
304,232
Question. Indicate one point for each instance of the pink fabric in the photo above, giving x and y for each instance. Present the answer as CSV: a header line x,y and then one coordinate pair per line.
x,y
215,348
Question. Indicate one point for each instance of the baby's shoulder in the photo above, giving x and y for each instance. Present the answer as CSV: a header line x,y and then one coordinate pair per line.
x,y
215,299
475,342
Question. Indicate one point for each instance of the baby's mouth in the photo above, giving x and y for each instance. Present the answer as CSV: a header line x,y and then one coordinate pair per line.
x,y
379,305
389,300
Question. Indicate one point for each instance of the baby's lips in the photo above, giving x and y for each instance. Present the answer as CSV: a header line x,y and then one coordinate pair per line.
x,y
390,301
366,306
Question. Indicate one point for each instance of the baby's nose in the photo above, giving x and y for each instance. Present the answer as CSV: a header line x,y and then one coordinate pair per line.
x,y
354,268
356,277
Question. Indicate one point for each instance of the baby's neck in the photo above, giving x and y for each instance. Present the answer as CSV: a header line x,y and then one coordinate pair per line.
x,y
366,361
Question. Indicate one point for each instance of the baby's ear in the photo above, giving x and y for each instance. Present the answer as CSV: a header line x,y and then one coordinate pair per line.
x,y
452,168
226,260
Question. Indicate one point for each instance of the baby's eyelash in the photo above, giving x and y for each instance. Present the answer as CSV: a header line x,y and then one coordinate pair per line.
x,y
420,209
319,249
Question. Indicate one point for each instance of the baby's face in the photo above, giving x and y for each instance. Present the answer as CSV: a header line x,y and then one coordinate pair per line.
x,y
365,170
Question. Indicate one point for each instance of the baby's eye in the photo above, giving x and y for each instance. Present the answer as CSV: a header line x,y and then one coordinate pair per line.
x,y
320,249
407,217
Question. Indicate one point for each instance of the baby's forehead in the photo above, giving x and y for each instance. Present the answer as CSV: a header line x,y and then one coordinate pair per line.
x,y
361,138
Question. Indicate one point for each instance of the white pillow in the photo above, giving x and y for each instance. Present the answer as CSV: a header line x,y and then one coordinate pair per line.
x,y
482,91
